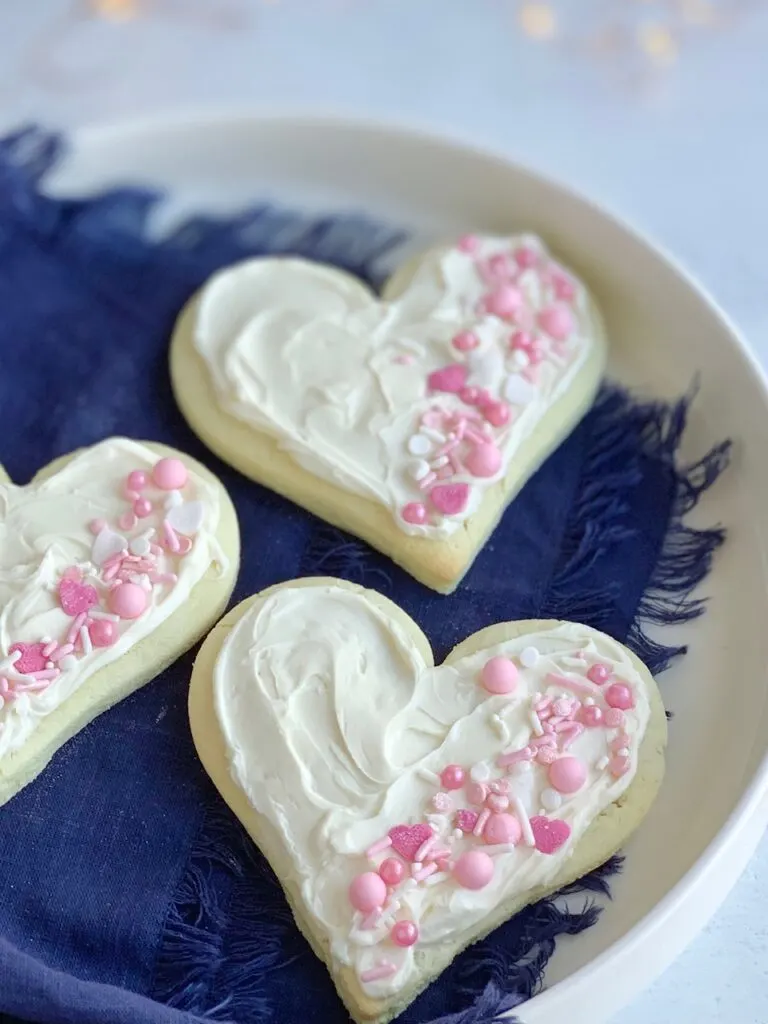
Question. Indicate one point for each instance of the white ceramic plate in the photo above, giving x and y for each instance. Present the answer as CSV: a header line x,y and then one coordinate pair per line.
x,y
713,806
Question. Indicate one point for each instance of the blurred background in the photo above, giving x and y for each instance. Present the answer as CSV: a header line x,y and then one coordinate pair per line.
x,y
656,108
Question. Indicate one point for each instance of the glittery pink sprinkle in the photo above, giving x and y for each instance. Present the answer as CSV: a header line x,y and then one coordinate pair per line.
x,y
466,820
32,658
406,839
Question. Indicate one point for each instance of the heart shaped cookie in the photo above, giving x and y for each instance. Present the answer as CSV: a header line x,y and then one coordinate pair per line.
x,y
98,592
411,421
409,809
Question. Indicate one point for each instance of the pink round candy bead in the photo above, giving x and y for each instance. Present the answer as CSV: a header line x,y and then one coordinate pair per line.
x,y
619,695
103,632
564,289
502,828
483,397
525,257
126,520
484,460
415,512
142,508
499,266
169,474
392,871
591,716
367,892
499,675
476,793
521,340
567,774
465,341
504,301
473,869
556,321
497,413
469,396
137,480
599,674
614,718
453,777
128,600
404,933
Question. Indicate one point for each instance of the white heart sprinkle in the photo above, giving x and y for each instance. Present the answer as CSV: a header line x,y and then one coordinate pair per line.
x,y
107,544
187,518
529,656
139,545
173,499
419,445
518,390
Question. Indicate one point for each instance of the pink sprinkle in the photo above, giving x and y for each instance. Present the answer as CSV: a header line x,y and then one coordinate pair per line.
x,y
171,537
525,754
383,970
378,847
127,521
131,495
62,652
48,673
114,559
156,550
97,525
576,685
445,472
404,360
475,436
481,822
438,854
74,629
427,480
163,577
448,446
371,920
573,731
49,649
466,820
455,462
468,243
425,847
525,257
542,705
426,871
547,740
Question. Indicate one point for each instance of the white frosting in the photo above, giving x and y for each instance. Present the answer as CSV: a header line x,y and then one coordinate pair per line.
x,y
44,530
336,729
305,354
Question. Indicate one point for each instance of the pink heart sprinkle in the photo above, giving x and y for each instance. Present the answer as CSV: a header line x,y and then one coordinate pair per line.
x,y
549,833
466,820
406,839
450,498
450,378
76,597
31,660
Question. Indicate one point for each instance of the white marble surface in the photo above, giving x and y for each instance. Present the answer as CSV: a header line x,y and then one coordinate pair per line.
x,y
682,152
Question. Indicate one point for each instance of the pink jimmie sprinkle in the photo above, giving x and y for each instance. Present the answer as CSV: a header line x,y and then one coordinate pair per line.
x,y
110,572
576,685
425,847
405,359
171,538
49,649
62,652
426,481
74,629
370,922
378,847
425,872
481,822
505,760
48,673
163,577
385,969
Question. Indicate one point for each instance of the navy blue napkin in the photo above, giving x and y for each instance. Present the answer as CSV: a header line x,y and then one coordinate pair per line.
x,y
128,893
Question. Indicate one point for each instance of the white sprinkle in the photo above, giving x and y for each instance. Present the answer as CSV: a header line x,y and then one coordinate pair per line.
x,y
479,772
518,390
522,817
500,728
434,435
174,499
602,763
45,640
410,883
457,833
85,640
13,658
588,702
96,614
443,460
49,664
428,776
419,445
536,697
623,752
417,864
551,799
67,662
494,848
536,723
139,545
521,768
520,358
529,656
435,879
418,469
572,662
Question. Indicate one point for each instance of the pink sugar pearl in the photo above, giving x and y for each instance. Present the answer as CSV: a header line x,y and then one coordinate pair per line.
x,y
473,869
599,674
502,828
468,243
525,257
169,474
484,460
476,793
415,512
367,892
465,341
504,301
564,289
614,718
452,777
102,632
404,933
142,508
556,321
128,601
136,481
469,395
499,675
591,716
567,774
392,871
619,695
497,413
521,340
